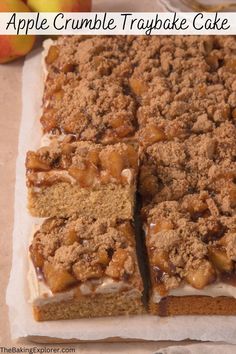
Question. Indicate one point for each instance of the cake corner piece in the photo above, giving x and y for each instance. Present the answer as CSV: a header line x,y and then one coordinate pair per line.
x,y
84,268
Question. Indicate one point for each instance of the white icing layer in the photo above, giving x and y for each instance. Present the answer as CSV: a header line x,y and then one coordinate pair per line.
x,y
49,138
213,290
40,294
50,175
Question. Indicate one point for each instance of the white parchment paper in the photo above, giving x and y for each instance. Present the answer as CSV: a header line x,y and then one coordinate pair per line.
x,y
21,321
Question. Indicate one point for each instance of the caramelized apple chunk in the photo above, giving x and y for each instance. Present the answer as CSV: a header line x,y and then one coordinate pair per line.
x,y
127,230
57,279
230,65
138,86
36,256
149,185
120,264
58,95
93,157
83,271
212,61
33,162
220,259
161,260
68,149
72,123
103,257
194,204
86,175
70,237
232,195
53,54
68,67
113,162
151,134
49,120
201,276
131,156
161,225
122,127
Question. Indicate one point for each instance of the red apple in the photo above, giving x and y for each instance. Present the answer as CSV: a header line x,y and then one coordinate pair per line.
x,y
60,5
12,47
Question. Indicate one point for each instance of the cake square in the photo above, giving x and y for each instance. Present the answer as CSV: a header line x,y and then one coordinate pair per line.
x,y
192,257
86,90
100,110
84,268
89,179
169,170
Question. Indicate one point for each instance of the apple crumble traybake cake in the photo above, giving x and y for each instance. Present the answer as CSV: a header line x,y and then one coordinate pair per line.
x,y
121,113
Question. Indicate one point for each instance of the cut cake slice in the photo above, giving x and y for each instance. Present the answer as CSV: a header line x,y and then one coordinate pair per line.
x,y
89,179
84,268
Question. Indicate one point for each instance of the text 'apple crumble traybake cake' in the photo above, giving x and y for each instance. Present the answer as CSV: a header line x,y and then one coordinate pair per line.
x,y
126,118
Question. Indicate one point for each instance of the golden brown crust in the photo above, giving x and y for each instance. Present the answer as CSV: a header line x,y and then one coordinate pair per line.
x,y
194,305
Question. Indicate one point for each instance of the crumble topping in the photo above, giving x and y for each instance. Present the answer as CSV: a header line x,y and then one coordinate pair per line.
x,y
90,56
187,85
71,251
206,162
99,110
178,86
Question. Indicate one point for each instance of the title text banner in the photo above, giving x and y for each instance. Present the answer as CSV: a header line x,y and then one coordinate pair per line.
x,y
148,23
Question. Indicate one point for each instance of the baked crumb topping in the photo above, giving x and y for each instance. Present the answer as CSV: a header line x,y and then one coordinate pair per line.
x,y
178,85
100,110
71,251
206,162
90,56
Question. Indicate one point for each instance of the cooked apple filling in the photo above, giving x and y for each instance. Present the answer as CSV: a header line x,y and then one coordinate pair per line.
x,y
81,163
69,252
